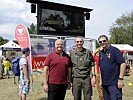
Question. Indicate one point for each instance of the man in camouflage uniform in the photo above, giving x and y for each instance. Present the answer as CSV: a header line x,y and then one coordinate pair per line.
x,y
83,65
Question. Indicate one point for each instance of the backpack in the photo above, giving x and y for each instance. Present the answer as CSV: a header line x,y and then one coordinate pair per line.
x,y
15,66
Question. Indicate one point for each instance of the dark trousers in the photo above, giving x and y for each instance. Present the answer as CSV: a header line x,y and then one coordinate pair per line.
x,y
112,93
82,85
57,91
2,71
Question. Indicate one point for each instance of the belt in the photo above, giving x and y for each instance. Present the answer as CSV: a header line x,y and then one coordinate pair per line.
x,y
82,77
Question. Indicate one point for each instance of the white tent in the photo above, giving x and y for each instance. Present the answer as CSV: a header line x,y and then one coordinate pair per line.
x,y
10,46
123,47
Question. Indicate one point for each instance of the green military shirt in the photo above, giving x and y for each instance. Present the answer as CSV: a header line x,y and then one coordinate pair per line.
x,y
82,62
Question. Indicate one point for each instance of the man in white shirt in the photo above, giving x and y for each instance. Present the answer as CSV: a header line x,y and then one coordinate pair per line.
x,y
24,74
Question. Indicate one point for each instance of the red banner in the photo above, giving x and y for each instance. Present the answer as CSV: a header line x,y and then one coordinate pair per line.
x,y
22,36
38,62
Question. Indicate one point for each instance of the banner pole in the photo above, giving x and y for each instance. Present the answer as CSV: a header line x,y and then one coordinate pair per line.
x,y
131,76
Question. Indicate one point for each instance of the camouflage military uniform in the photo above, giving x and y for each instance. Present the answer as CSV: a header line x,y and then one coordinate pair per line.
x,y
82,63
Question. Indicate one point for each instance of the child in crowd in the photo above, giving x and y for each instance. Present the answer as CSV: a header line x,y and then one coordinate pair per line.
x,y
6,64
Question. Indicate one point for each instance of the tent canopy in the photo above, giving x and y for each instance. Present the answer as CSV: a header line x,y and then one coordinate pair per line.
x,y
10,46
123,47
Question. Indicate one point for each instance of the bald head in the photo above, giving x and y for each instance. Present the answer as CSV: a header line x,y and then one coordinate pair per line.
x,y
59,44
59,41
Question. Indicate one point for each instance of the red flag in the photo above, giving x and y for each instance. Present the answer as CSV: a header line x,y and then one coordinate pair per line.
x,y
22,36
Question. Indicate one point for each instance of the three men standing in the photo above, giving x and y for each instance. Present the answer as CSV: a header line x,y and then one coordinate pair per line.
x,y
57,71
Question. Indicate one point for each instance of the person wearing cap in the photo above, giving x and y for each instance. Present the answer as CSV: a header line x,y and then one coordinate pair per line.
x,y
24,74
57,72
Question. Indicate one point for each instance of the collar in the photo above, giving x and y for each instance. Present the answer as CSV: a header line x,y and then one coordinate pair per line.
x,y
83,51
59,53
23,56
107,49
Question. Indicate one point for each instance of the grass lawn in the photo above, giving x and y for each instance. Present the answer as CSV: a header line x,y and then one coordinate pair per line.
x,y
9,90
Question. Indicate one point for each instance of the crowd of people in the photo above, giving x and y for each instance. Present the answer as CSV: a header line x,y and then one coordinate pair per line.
x,y
80,71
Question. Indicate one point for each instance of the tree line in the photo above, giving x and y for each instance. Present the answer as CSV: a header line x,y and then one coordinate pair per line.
x,y
121,32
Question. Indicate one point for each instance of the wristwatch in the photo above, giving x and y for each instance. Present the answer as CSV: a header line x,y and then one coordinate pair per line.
x,y
93,75
120,78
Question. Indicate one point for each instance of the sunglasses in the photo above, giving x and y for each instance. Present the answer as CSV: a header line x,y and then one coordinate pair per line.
x,y
102,41
79,41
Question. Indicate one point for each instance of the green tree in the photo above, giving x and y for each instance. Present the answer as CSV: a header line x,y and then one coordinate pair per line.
x,y
122,31
32,29
3,41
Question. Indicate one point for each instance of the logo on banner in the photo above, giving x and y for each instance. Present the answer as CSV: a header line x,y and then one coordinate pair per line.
x,y
20,29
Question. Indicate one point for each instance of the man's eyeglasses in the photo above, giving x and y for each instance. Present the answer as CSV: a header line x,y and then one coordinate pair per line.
x,y
102,41
79,41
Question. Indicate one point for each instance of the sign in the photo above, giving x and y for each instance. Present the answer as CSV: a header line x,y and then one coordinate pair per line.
x,y
38,62
22,36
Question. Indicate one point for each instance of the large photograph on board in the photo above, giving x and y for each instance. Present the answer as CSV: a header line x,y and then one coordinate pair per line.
x,y
60,22
69,45
88,44
39,47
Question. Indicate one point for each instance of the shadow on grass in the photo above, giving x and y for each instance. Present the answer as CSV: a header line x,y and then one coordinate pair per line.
x,y
43,99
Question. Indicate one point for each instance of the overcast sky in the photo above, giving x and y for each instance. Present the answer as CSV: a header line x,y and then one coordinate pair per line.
x,y
13,12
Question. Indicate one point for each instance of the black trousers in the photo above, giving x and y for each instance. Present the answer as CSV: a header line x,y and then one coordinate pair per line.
x,y
57,91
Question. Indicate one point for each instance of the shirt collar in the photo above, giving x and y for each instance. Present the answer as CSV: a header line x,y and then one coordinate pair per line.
x,y
109,47
59,54
83,51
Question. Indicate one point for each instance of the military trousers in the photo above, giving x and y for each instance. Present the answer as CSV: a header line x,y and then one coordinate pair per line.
x,y
82,85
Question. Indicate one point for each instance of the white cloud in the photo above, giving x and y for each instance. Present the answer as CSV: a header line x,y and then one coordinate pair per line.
x,y
7,30
104,14
13,13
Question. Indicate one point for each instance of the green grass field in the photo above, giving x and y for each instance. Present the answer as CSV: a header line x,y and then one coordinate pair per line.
x,y
9,90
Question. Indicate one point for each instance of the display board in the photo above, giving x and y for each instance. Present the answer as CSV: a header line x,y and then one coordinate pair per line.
x,y
60,21
41,47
